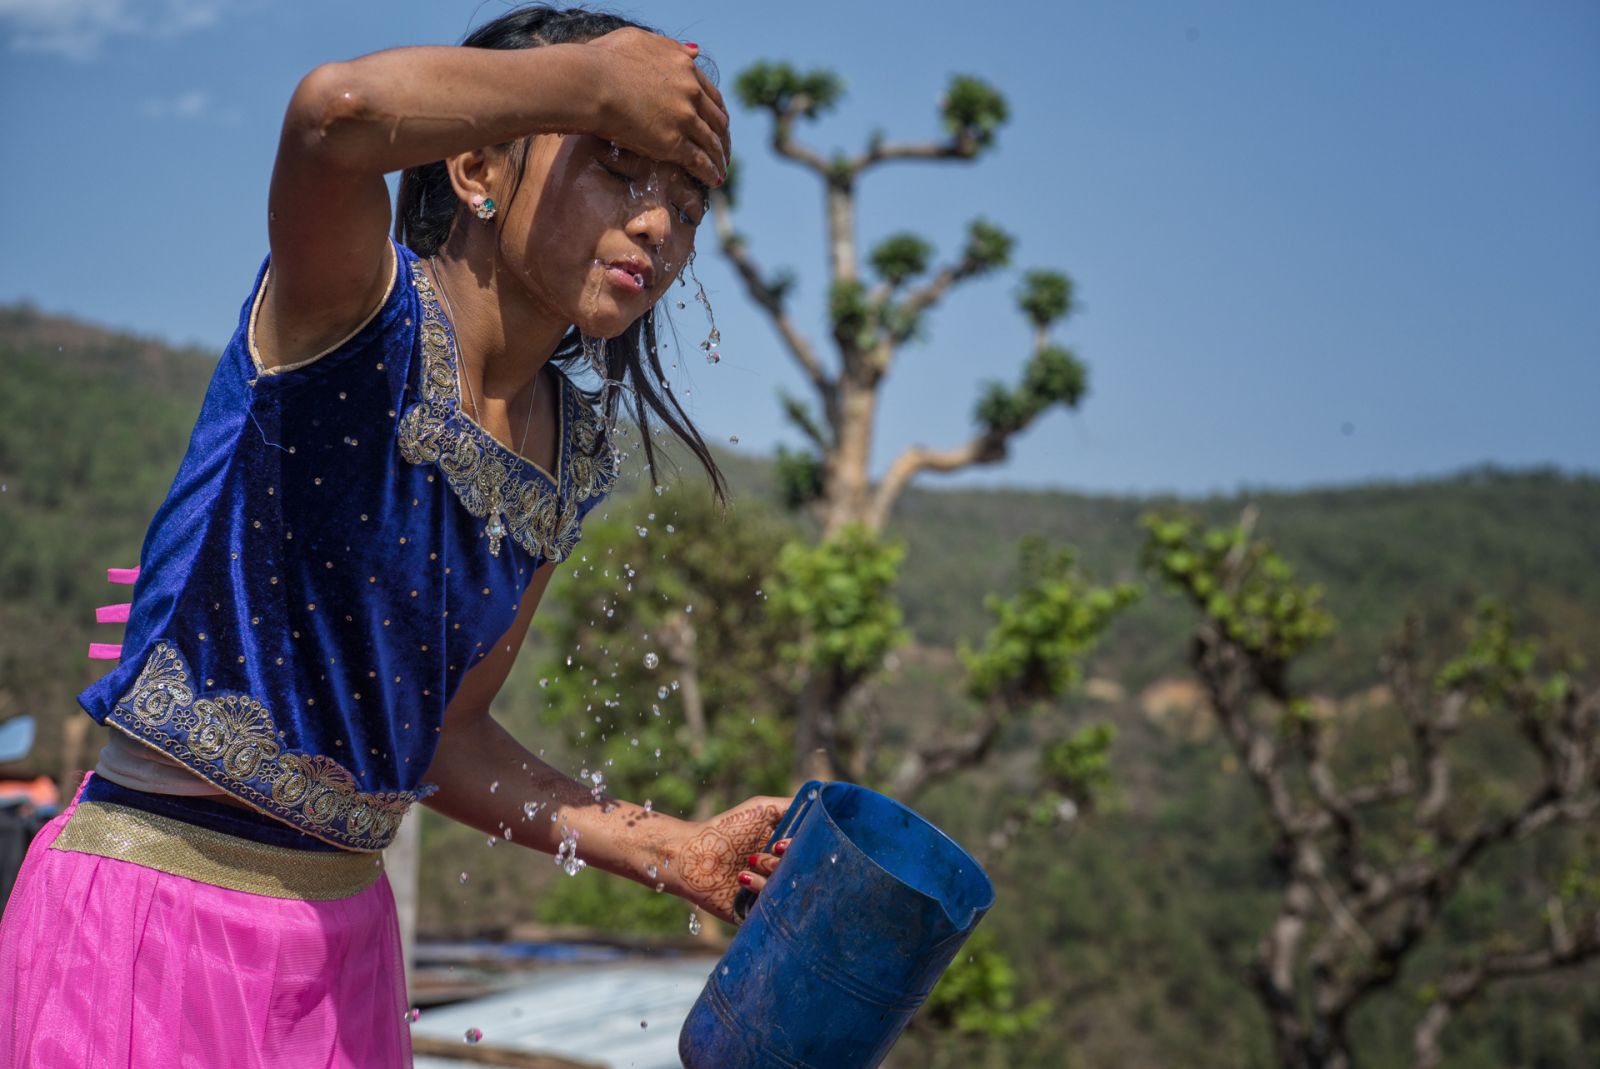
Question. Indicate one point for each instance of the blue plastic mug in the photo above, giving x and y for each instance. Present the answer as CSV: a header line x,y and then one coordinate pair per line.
x,y
848,938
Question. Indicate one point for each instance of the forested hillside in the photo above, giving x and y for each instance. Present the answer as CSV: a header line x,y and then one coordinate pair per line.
x,y
1136,928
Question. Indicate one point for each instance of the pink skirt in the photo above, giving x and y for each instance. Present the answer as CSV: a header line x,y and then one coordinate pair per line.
x,y
107,964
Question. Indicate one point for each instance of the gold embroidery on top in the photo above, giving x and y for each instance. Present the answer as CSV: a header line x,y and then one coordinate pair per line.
x,y
232,741
541,513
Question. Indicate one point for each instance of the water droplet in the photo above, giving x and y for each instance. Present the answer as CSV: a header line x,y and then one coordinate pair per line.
x,y
464,877
413,1014
544,681
651,661
495,786
734,438
834,858
643,531
724,970
662,692
644,1024
694,923
473,1035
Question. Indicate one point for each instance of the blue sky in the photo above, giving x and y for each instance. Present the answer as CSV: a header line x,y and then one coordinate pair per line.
x,y
1312,243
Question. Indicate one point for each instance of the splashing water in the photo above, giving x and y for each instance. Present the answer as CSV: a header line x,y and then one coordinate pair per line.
x,y
567,853
714,336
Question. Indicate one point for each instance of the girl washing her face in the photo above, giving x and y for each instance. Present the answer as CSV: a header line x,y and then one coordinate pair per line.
x,y
396,452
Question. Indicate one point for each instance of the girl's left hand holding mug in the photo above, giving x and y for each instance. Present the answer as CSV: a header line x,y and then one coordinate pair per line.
x,y
713,863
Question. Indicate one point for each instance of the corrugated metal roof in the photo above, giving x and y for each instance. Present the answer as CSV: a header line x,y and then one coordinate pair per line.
x,y
624,1015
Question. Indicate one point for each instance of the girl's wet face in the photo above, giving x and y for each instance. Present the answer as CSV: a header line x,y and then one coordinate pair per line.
x,y
601,233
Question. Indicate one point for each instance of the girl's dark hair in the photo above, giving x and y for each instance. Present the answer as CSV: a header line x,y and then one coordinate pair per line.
x,y
427,208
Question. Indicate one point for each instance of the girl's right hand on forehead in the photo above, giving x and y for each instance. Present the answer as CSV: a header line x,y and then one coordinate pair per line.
x,y
654,100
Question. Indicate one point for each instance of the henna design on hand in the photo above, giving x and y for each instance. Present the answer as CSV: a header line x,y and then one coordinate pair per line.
x,y
710,863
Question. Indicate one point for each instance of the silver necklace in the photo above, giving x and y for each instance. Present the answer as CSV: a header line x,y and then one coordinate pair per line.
x,y
495,529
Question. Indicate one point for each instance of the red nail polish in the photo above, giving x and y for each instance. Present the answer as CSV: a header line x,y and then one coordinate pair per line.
x,y
744,878
780,848
691,44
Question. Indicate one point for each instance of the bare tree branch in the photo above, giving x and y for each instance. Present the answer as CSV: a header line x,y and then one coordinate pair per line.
x,y
924,765
1563,950
783,142
770,298
964,147
986,448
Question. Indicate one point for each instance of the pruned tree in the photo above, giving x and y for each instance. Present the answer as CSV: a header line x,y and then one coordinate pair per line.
x,y
875,309
1368,867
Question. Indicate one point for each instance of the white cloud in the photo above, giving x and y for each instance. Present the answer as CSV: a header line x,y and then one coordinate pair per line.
x,y
77,29
192,104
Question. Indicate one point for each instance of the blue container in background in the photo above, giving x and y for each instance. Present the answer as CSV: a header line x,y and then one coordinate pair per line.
x,y
850,934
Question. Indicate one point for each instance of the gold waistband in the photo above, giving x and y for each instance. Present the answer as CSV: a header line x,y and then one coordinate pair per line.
x,y
125,834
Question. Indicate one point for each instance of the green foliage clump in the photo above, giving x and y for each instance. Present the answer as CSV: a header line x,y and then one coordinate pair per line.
x,y
781,88
1241,584
973,110
1001,410
838,597
1035,648
1054,376
1079,766
988,247
851,313
977,995
1498,668
1046,297
799,475
900,257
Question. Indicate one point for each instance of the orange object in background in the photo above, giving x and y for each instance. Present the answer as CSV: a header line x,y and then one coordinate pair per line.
x,y
39,791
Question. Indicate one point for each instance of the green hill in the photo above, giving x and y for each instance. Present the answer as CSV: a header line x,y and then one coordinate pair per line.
x,y
1145,917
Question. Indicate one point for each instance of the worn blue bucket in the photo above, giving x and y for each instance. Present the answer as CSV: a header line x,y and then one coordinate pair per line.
x,y
867,910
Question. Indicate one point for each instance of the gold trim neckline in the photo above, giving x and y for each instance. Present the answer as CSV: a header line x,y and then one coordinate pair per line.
x,y
541,512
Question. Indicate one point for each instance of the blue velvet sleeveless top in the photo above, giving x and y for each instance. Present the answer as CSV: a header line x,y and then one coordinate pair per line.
x,y
340,546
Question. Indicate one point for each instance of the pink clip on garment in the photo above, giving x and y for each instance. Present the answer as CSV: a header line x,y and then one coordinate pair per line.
x,y
113,614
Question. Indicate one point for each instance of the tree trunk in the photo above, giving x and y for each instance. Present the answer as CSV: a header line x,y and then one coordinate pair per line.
x,y
847,475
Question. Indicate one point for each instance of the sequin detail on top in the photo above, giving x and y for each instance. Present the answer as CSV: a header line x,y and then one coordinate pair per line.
x,y
542,513
233,741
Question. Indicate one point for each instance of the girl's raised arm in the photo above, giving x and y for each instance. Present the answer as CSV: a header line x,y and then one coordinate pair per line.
x,y
350,123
